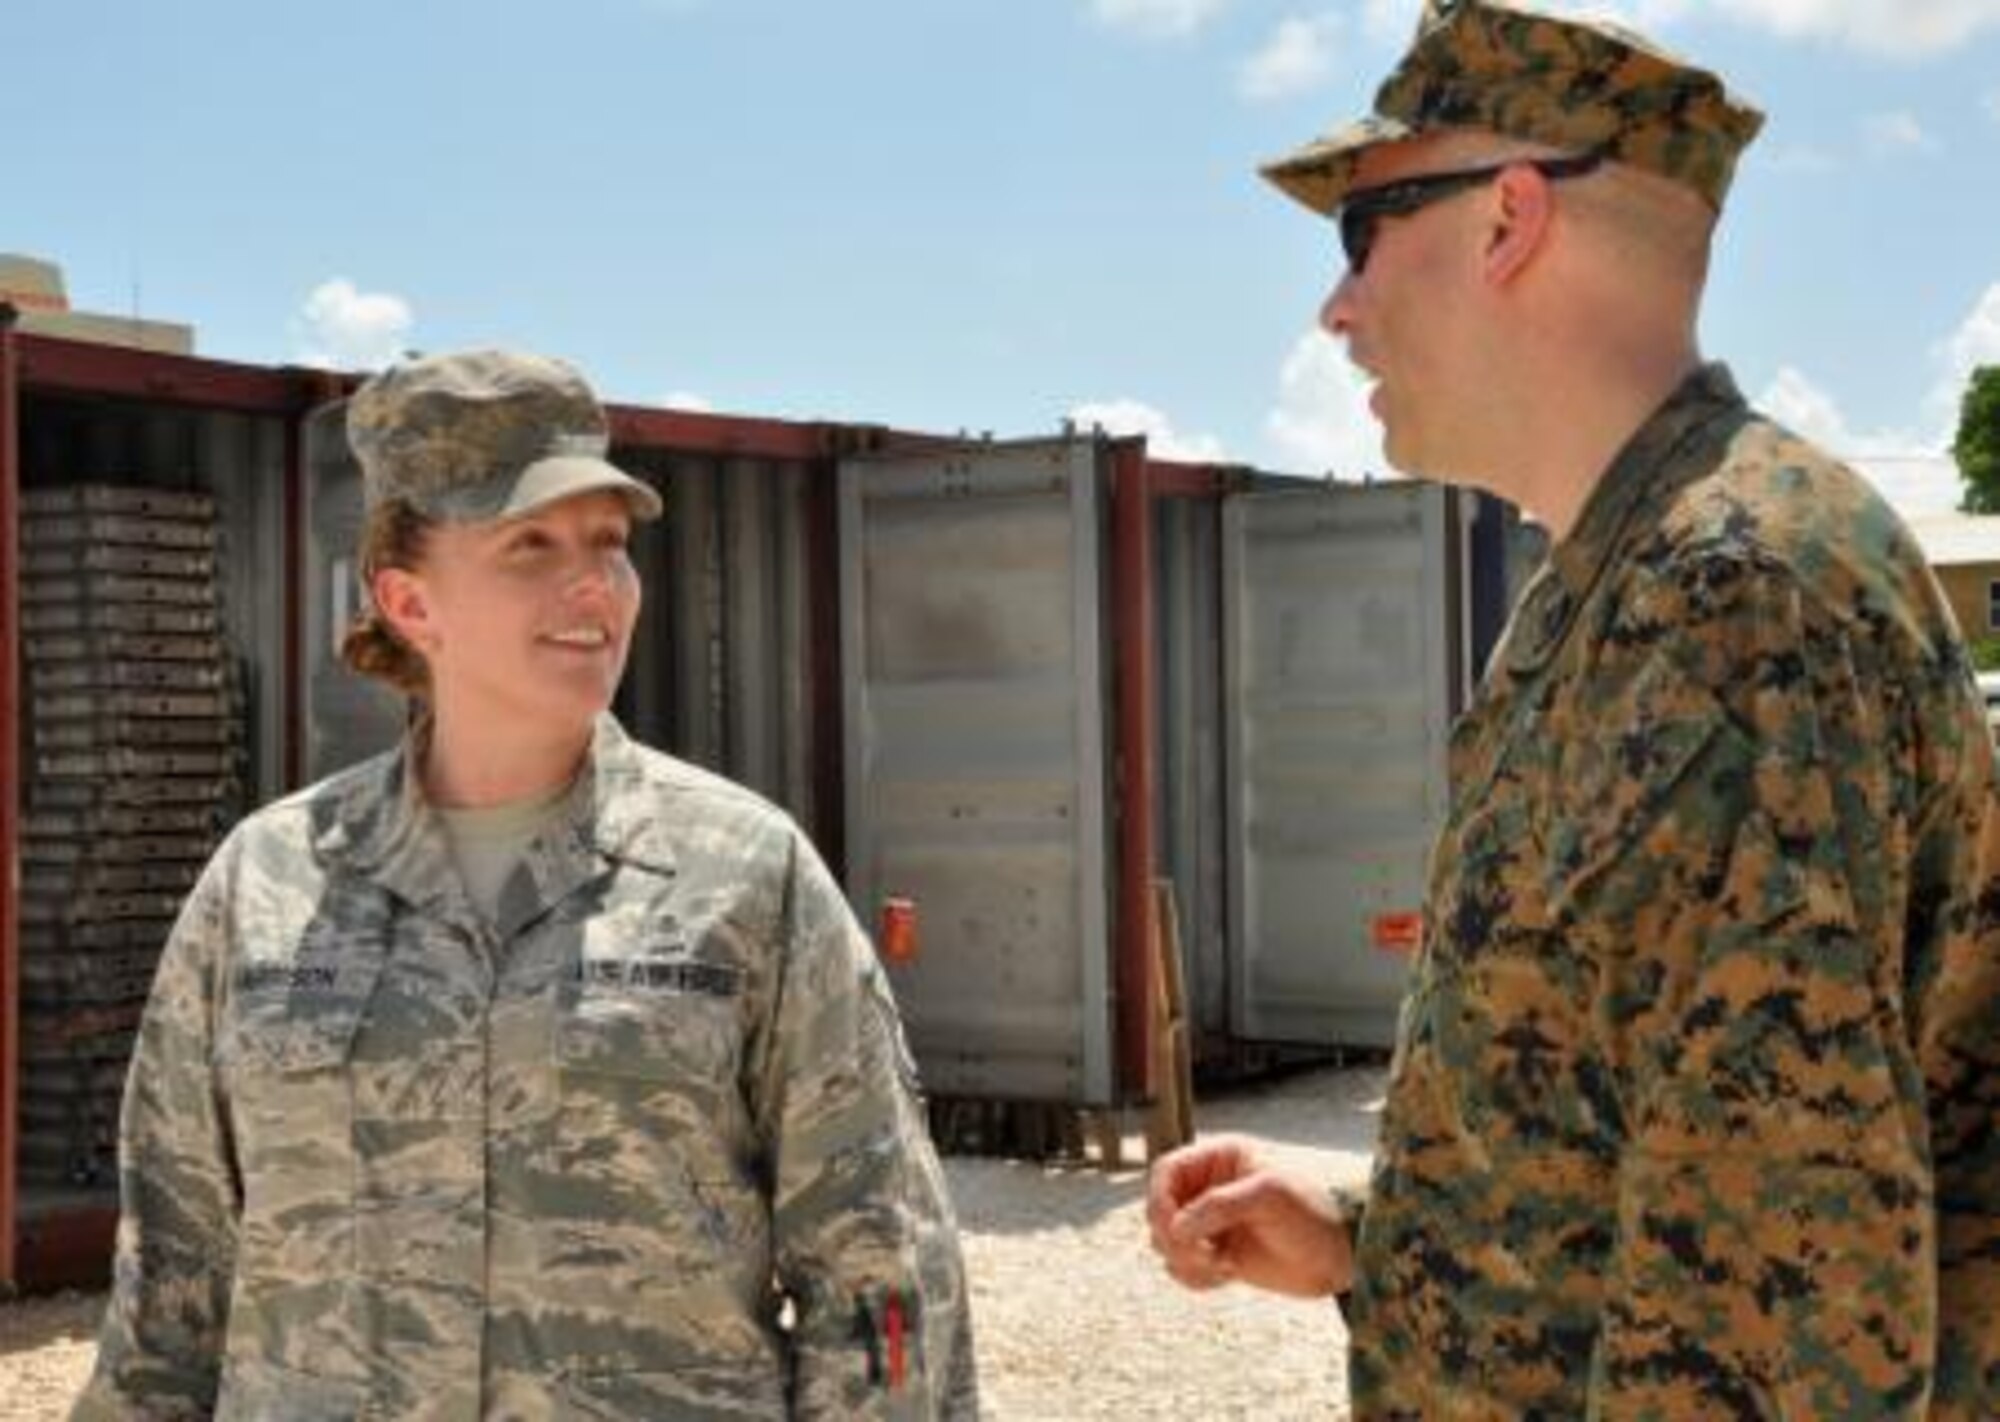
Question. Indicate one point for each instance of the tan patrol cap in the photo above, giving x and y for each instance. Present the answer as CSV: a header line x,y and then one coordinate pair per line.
x,y
489,434
1575,84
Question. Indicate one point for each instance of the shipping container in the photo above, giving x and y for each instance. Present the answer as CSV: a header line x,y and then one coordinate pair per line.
x,y
1005,686
1246,689
149,602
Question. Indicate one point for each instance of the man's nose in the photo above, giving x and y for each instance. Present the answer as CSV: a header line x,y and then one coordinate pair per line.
x,y
1336,313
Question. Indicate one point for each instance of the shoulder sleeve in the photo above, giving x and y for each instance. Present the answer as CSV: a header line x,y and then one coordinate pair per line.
x,y
160,1347
1745,855
1958,999
867,1248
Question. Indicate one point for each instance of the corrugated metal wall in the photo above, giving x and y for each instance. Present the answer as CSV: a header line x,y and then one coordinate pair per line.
x,y
1193,838
721,662
347,717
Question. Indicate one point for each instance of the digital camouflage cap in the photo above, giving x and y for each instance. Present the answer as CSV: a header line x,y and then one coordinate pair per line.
x,y
1575,84
486,434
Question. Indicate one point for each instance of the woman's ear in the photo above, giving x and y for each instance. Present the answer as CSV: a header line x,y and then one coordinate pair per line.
x,y
1520,212
404,603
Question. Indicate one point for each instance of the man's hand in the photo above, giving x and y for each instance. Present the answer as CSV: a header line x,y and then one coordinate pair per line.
x,y
1218,1214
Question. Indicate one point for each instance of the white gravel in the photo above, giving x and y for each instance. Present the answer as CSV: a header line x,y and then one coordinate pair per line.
x,y
1074,1318
46,1346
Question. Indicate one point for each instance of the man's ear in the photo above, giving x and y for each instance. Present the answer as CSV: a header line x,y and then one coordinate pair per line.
x,y
1520,211
404,603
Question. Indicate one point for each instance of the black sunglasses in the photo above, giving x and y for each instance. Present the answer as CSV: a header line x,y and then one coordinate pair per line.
x,y
1361,215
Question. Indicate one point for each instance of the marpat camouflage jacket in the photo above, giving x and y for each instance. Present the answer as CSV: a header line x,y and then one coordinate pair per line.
x,y
1693,1112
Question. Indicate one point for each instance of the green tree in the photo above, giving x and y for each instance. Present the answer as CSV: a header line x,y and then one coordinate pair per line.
x,y
1977,448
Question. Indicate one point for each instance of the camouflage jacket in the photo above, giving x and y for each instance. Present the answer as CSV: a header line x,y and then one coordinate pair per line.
x,y
1694,1101
382,1159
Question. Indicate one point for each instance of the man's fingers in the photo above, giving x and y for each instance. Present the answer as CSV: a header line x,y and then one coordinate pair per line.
x,y
1210,1271
1182,1175
1219,1210
1192,1195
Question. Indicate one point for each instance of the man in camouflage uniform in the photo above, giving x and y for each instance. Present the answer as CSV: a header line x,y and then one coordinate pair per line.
x,y
1693,1108
391,1151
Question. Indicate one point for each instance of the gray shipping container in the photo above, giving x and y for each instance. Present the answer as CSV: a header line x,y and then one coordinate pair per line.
x,y
930,659
1313,643
972,637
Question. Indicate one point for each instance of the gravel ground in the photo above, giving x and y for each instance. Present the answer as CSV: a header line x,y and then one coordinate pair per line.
x,y
1074,1319
45,1350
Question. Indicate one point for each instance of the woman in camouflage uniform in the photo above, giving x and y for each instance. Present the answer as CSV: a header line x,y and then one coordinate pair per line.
x,y
523,1071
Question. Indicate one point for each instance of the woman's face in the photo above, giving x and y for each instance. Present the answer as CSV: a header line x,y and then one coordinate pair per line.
x,y
528,617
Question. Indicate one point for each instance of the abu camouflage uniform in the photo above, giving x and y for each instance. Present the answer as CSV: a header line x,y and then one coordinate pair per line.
x,y
1693,1107
380,1159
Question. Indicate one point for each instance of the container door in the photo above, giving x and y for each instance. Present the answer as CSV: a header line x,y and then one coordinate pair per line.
x,y
1339,606
975,758
348,717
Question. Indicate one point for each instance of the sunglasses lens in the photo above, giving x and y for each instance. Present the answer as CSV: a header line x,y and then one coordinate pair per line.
x,y
1357,235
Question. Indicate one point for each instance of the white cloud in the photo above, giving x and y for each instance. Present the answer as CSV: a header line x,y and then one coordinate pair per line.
x,y
1793,400
1976,342
1390,21
687,400
1906,467
1894,134
1797,158
1655,13
1915,484
1297,57
349,329
1910,465
1321,423
1903,28
1133,417
1156,18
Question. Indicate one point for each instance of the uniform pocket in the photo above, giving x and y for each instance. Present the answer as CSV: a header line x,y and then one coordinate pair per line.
x,y
1647,791
254,1390
727,1390
285,1066
690,1040
649,1135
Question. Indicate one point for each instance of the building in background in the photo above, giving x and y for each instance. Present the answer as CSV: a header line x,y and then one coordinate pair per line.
x,y
1964,551
34,288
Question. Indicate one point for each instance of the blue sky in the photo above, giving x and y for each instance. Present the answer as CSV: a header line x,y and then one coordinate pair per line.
x,y
940,214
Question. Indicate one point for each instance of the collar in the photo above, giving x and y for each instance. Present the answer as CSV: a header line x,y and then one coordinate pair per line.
x,y
1647,471
376,821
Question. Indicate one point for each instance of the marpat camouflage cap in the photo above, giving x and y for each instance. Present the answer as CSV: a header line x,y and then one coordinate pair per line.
x,y
485,434
1574,84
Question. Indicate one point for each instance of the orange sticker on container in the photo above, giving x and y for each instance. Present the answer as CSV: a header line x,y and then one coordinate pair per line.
x,y
1397,932
898,936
